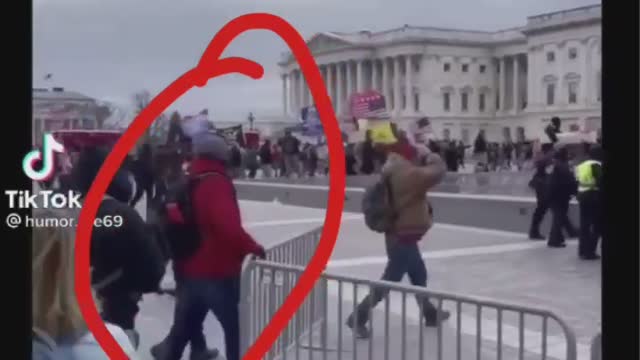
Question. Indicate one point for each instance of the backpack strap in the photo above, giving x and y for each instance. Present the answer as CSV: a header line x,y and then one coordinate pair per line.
x,y
107,280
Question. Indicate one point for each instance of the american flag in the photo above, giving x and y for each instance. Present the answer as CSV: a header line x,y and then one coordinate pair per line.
x,y
369,104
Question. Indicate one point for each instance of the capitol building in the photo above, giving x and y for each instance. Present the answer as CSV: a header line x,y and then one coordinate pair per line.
x,y
508,83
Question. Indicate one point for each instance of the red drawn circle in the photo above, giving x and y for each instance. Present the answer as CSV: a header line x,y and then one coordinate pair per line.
x,y
209,67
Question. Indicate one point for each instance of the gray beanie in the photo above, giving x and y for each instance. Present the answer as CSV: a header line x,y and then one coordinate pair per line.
x,y
211,145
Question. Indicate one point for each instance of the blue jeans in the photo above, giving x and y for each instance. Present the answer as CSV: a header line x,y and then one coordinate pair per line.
x,y
403,258
196,298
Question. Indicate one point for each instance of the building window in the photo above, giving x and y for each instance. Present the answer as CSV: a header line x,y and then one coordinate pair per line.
x,y
551,56
464,102
446,101
416,102
416,67
481,102
483,69
404,101
551,94
573,53
447,67
497,100
573,92
465,67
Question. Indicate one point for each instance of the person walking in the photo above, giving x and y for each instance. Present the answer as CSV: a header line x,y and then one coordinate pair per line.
x,y
589,175
539,184
126,260
142,170
251,160
408,186
290,146
266,159
172,175
562,187
210,277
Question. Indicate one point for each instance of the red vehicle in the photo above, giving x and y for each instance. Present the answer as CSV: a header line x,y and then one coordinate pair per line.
x,y
76,140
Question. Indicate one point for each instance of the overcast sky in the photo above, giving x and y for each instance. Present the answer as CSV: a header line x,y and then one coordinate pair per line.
x,y
111,49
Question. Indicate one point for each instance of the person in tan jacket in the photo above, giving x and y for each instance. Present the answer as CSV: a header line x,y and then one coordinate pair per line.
x,y
410,180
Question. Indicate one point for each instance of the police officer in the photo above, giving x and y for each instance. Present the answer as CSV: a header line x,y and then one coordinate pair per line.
x,y
589,176
562,187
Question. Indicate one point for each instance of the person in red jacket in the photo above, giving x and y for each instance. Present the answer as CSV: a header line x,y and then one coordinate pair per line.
x,y
211,277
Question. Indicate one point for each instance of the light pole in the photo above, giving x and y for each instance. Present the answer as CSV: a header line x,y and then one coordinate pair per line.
x,y
251,119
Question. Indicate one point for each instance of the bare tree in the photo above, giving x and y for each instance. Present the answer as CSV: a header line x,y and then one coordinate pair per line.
x,y
157,132
111,116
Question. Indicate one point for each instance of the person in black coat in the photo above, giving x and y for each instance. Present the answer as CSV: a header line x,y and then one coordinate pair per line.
x,y
452,158
538,183
126,260
553,129
562,187
142,170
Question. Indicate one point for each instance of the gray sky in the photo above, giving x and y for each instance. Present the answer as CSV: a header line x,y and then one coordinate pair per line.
x,y
111,49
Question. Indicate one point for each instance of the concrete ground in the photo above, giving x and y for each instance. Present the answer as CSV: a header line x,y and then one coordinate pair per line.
x,y
495,264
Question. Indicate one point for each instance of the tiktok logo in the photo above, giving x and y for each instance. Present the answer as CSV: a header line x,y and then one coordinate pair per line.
x,y
50,146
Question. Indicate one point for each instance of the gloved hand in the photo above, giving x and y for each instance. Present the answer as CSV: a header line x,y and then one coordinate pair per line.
x,y
260,253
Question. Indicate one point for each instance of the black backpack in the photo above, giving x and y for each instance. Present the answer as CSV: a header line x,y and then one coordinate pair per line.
x,y
183,237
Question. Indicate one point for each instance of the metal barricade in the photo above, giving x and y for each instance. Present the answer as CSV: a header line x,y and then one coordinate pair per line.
x,y
478,328
267,292
296,251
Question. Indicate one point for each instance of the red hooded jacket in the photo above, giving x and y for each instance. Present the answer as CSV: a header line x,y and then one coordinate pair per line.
x,y
224,241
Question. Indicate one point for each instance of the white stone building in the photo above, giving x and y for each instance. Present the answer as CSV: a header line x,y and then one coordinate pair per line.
x,y
57,109
505,82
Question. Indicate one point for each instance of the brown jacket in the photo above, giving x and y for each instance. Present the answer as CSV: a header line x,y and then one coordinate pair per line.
x,y
409,185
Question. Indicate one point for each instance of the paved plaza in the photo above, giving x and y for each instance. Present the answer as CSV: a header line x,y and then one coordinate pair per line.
x,y
493,264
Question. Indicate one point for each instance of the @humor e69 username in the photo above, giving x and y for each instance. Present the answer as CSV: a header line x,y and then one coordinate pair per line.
x,y
15,220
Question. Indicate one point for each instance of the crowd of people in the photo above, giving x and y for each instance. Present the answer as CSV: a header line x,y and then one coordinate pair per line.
x,y
205,242
556,182
288,156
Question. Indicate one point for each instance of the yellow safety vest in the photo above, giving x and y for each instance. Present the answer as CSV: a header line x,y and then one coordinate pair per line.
x,y
584,174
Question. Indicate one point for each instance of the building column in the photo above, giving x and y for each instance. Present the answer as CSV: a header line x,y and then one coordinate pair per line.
x,y
359,75
303,90
349,75
339,89
330,92
516,85
284,95
385,84
408,83
530,78
503,84
374,75
397,99
292,94
585,74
